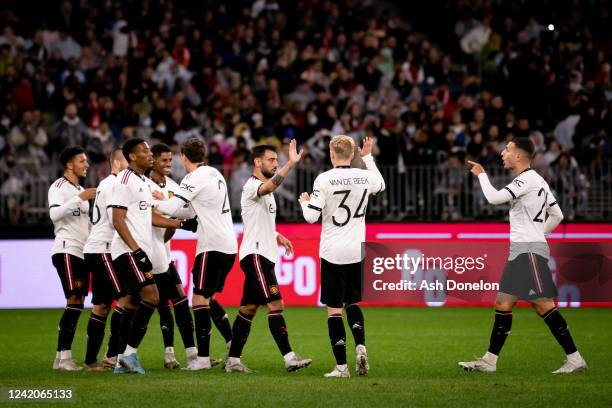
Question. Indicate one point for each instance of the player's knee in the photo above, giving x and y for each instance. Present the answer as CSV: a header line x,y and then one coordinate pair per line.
x,y
276,305
334,311
101,309
249,310
74,300
542,307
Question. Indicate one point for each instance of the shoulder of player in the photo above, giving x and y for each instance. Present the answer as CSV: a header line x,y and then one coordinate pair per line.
x,y
171,184
528,178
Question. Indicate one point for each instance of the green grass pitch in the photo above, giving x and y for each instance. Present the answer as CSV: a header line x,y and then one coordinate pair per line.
x,y
413,356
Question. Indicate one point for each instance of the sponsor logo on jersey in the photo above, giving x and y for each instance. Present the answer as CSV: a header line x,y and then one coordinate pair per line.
x,y
187,187
519,183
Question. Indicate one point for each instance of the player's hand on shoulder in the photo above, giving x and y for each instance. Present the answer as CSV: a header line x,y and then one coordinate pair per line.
x,y
304,197
142,260
88,194
282,240
366,149
294,156
476,168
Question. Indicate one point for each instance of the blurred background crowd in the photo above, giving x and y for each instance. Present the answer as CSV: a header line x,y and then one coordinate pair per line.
x,y
435,84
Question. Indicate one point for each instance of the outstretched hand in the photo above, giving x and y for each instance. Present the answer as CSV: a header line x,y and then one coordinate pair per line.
x,y
294,156
476,168
368,143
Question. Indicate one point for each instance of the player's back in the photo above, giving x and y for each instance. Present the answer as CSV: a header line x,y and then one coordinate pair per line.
x,y
102,229
344,192
211,205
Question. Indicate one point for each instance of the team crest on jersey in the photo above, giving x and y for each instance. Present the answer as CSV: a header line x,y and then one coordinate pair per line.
x,y
274,290
143,205
170,194
78,283
77,212
272,209
148,275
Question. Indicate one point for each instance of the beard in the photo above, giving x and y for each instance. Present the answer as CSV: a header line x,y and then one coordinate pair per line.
x,y
267,173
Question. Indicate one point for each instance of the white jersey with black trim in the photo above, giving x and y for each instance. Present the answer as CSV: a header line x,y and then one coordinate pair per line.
x,y
340,196
206,190
102,230
259,219
70,216
132,192
161,256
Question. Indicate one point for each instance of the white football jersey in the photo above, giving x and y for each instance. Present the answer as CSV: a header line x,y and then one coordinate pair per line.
x,y
160,258
70,216
340,195
259,219
132,192
531,196
102,230
206,190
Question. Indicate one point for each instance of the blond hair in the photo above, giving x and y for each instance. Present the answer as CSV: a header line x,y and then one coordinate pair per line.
x,y
343,146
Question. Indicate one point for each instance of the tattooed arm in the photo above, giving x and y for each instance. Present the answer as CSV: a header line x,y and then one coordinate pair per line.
x,y
272,184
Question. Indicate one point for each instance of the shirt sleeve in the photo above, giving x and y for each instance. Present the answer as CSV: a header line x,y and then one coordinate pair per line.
x,y
553,212
189,188
251,188
377,183
59,207
121,197
493,195
312,209
518,187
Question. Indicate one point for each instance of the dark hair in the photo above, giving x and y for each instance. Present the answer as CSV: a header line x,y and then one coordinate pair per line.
x,y
68,153
259,151
160,148
194,149
129,146
115,154
525,144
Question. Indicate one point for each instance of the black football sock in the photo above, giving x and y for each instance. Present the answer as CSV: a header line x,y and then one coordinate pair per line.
x,y
278,328
124,329
240,334
184,321
220,319
354,315
68,325
337,337
142,315
95,336
166,324
558,327
202,329
115,325
500,331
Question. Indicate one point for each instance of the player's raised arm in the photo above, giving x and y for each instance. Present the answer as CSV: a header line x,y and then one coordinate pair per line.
x,y
492,195
276,180
366,155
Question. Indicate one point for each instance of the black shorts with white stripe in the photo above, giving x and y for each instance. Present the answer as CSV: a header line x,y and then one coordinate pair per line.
x,y
105,284
528,277
73,274
210,271
131,278
260,285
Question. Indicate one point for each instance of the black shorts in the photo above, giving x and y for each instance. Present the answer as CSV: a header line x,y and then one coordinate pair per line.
x,y
166,284
210,271
260,285
105,284
73,274
340,284
131,278
528,277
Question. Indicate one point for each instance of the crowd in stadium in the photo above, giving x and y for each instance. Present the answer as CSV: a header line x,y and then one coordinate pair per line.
x,y
267,71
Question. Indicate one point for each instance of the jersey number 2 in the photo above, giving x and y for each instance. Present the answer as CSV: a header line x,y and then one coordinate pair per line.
x,y
224,210
538,215
358,214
